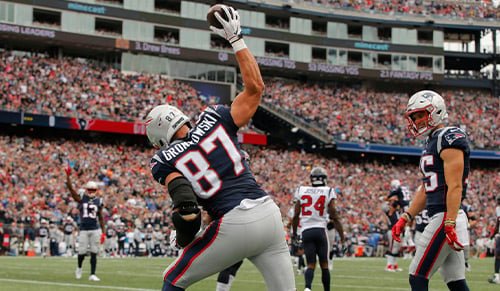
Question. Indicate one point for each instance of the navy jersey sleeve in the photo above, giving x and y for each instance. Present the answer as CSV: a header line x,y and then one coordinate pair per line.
x,y
455,138
225,114
159,169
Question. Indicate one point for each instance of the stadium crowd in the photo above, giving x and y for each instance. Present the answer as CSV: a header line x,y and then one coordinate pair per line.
x,y
33,189
366,116
86,89
448,9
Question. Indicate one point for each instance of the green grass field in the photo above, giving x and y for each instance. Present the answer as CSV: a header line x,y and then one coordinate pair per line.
x,y
133,274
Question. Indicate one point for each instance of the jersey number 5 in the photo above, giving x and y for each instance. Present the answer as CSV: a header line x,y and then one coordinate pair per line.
x,y
432,178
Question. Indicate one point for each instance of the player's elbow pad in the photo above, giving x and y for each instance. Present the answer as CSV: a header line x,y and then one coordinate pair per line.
x,y
186,216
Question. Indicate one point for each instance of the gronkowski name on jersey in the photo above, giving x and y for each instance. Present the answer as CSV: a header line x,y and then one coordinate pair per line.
x,y
432,168
210,158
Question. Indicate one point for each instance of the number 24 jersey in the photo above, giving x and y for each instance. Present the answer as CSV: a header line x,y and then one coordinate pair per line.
x,y
314,205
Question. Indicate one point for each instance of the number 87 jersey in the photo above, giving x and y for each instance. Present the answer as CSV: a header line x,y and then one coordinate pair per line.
x,y
210,158
314,203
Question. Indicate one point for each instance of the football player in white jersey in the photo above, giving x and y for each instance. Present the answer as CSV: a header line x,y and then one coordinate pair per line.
x,y
314,204
494,235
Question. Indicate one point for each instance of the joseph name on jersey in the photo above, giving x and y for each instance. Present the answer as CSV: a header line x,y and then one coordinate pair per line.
x,y
208,152
314,205
432,168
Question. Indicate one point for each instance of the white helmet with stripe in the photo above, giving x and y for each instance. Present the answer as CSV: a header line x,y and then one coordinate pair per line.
x,y
162,123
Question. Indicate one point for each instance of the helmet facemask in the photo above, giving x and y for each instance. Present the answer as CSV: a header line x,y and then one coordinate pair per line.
x,y
318,177
91,189
421,126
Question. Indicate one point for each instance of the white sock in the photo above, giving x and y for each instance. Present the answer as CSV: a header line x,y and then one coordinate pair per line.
x,y
222,287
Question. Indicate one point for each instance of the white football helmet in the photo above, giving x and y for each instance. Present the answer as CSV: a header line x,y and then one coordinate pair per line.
x,y
162,123
91,188
433,105
395,184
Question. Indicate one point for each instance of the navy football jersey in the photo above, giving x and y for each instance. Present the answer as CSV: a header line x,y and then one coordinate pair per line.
x,y
210,158
43,231
421,220
68,228
89,218
393,218
110,232
121,235
431,166
148,235
404,196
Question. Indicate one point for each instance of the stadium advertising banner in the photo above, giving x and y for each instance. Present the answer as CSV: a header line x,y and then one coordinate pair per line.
x,y
135,128
26,30
215,57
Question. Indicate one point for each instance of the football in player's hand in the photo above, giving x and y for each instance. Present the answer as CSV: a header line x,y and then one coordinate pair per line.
x,y
211,19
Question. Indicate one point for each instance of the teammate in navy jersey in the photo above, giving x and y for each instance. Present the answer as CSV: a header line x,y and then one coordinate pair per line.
x,y
91,225
398,200
69,238
44,236
401,193
122,236
392,211
202,166
444,165
314,205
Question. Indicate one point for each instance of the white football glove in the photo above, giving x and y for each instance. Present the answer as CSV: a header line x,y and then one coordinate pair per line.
x,y
231,29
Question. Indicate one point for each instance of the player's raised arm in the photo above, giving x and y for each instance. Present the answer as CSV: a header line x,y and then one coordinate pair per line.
x,y
246,103
72,190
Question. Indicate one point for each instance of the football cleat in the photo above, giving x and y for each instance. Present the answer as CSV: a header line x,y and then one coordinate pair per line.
x,y
389,269
94,278
494,280
78,273
396,268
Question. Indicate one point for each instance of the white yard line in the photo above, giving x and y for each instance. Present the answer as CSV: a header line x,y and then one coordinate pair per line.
x,y
73,285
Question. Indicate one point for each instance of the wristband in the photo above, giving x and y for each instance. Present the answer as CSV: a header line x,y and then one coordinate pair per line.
x,y
407,216
449,221
239,45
